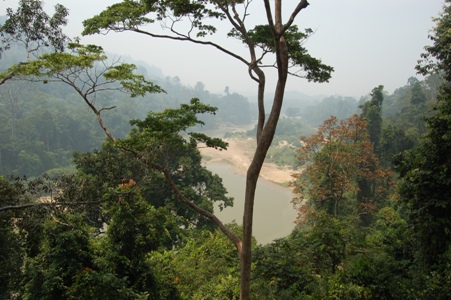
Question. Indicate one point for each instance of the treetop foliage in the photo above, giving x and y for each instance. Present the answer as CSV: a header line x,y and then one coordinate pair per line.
x,y
162,132
78,68
436,58
32,27
131,14
134,15
262,36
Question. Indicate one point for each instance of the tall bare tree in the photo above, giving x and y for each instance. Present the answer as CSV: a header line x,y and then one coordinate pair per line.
x,y
11,101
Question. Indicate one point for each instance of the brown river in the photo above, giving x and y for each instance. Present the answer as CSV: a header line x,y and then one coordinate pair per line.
x,y
273,212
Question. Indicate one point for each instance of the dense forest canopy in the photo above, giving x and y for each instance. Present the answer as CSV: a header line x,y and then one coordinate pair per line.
x,y
131,216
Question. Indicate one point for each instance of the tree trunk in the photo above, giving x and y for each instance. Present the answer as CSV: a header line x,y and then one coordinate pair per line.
x,y
264,140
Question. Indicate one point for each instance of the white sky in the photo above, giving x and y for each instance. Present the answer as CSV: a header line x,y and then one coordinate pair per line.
x,y
368,42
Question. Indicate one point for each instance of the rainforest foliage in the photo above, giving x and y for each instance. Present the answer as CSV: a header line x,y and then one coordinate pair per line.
x,y
85,218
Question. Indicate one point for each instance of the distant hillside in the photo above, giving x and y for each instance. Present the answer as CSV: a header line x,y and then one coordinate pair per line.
x,y
42,124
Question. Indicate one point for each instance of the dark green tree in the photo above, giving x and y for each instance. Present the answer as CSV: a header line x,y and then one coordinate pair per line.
x,y
371,112
135,229
425,172
11,248
404,112
418,97
394,140
65,250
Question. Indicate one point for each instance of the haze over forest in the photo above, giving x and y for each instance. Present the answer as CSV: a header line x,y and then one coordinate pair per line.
x,y
120,164
367,42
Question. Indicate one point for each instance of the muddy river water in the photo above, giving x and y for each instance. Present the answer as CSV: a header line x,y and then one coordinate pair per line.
x,y
273,212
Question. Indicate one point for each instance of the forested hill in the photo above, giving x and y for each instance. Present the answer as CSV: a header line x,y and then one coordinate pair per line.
x,y
44,123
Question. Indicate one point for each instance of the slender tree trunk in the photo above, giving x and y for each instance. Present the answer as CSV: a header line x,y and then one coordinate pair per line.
x,y
251,185
13,122
264,141
336,208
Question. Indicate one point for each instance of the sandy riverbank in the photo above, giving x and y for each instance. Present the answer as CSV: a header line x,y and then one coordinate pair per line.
x,y
239,154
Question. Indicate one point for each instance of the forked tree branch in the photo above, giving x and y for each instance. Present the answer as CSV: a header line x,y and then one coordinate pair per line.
x,y
302,4
189,39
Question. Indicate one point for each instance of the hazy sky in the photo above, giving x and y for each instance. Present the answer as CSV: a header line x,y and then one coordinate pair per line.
x,y
368,42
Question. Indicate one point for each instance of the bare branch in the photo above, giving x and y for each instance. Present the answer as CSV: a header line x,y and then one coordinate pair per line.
x,y
107,108
48,204
269,15
302,4
189,39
